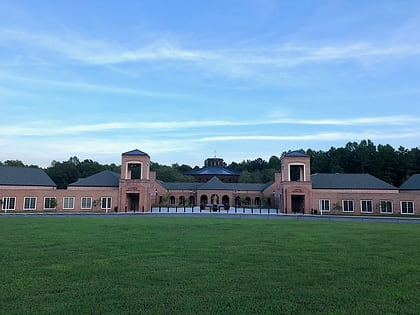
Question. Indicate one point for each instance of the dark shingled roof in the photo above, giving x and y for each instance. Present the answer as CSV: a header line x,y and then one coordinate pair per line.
x,y
24,176
179,185
296,154
348,181
214,184
413,183
249,186
212,171
101,179
135,152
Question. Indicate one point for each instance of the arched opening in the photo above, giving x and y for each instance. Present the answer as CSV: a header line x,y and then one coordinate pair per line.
x,y
172,200
191,200
182,200
257,201
134,170
237,201
204,199
247,201
214,199
225,199
297,172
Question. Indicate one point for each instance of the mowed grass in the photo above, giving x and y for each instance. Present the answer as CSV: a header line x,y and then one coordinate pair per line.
x,y
141,265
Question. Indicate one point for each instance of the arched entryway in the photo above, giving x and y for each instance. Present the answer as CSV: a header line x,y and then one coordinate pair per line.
x,y
204,199
172,200
225,199
214,199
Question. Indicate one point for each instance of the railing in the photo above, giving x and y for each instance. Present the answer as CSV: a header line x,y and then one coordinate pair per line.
x,y
212,209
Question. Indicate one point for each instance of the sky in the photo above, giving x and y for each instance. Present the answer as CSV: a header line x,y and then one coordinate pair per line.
x,y
187,80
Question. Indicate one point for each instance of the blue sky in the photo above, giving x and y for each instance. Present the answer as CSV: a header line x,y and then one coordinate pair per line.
x,y
181,79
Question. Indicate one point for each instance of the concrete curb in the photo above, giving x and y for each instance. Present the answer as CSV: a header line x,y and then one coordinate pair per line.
x,y
222,215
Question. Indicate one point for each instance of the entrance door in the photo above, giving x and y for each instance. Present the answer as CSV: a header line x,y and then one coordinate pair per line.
x,y
298,203
133,202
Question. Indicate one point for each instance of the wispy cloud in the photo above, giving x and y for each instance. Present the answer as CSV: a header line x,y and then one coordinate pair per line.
x,y
44,128
84,86
281,55
40,129
328,136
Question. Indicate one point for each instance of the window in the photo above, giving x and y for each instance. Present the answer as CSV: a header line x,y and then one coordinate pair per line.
x,y
324,205
407,207
9,203
296,173
386,206
50,203
348,205
29,203
68,203
134,170
366,206
86,202
106,202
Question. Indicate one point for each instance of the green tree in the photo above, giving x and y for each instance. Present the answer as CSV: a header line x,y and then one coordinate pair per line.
x,y
14,163
63,173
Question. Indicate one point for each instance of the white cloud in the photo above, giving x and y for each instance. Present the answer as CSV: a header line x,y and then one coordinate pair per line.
x,y
234,60
51,128
84,86
329,136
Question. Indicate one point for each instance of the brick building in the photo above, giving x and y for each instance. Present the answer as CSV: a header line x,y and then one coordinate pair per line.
x,y
294,190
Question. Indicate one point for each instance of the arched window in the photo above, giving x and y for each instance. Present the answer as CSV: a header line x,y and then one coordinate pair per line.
x,y
237,201
191,200
257,201
247,201
172,200
182,200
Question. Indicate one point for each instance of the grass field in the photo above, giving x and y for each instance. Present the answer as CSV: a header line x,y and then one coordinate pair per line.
x,y
207,266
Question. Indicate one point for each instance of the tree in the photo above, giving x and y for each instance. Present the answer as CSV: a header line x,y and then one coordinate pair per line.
x,y
63,173
14,163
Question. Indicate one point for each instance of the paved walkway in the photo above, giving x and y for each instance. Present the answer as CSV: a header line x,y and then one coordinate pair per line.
x,y
406,220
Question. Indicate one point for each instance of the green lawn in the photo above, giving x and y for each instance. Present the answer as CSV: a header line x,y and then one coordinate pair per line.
x,y
204,265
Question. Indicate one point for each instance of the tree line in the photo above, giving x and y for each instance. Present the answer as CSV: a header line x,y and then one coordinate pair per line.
x,y
383,161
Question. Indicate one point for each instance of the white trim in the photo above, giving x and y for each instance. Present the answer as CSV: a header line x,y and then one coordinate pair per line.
x,y
133,162
108,206
361,205
386,201
65,203
342,204
24,203
408,202
43,205
321,208
81,203
296,164
4,203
